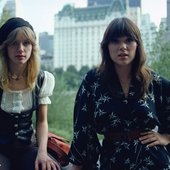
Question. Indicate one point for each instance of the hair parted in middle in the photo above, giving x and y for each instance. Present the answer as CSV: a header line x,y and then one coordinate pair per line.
x,y
117,28
33,64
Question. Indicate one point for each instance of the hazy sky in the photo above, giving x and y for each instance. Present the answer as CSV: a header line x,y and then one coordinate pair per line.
x,y
40,13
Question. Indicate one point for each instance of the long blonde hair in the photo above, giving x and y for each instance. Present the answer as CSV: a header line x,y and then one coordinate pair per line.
x,y
33,64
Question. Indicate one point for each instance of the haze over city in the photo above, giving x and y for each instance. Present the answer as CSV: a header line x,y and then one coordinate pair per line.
x,y
41,13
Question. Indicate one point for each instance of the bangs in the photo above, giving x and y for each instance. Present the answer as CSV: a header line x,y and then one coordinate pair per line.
x,y
121,27
27,32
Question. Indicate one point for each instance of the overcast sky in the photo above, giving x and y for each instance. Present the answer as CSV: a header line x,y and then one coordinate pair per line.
x,y
40,13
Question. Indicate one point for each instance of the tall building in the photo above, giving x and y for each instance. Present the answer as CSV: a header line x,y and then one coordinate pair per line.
x,y
79,31
12,8
132,3
168,15
165,25
46,42
149,33
135,3
46,49
99,2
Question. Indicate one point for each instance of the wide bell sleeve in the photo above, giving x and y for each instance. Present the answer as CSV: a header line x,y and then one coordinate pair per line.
x,y
47,88
85,146
162,93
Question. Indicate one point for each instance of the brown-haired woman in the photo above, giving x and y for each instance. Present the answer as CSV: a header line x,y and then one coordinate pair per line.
x,y
126,102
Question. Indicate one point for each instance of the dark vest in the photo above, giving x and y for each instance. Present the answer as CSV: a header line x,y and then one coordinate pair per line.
x,y
14,126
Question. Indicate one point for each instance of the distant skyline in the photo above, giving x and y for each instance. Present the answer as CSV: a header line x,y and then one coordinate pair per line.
x,y
40,13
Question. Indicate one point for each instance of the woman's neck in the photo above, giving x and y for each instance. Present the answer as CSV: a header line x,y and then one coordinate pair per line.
x,y
17,73
124,73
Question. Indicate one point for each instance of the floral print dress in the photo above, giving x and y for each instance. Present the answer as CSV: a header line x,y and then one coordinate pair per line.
x,y
100,111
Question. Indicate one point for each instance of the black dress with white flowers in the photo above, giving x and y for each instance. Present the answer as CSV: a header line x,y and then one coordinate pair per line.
x,y
98,110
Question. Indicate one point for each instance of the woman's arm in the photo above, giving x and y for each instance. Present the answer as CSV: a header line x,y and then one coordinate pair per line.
x,y
161,93
42,128
85,146
42,137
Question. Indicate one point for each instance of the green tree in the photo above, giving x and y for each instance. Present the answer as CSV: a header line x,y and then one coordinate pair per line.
x,y
161,52
72,78
59,72
83,71
60,112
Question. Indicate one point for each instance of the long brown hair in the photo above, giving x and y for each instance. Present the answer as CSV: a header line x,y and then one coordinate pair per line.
x,y
124,27
33,64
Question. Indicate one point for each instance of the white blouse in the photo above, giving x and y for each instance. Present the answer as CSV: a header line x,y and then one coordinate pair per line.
x,y
21,100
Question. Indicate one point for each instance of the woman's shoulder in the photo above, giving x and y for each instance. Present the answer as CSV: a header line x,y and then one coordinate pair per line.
x,y
92,74
45,75
46,81
159,79
49,75
45,72
91,77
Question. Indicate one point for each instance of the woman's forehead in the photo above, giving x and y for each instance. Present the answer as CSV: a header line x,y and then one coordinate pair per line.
x,y
20,34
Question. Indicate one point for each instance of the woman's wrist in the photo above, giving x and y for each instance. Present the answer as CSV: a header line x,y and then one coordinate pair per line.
x,y
167,136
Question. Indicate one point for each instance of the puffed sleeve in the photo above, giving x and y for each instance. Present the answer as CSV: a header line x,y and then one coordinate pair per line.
x,y
85,146
46,88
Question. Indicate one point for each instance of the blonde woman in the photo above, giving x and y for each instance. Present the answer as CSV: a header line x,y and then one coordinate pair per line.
x,y
24,89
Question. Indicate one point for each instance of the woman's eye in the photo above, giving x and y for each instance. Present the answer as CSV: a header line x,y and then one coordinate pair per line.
x,y
114,40
130,40
14,43
26,43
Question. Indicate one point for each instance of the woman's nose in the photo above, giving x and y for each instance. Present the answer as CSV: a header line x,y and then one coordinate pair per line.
x,y
123,45
20,46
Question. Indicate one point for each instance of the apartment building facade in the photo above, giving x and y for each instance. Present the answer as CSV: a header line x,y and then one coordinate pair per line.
x,y
79,31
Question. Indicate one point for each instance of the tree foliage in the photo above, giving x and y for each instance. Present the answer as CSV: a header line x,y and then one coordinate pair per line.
x,y
161,55
60,112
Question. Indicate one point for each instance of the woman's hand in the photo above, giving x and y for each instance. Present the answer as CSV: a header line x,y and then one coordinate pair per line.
x,y
152,138
45,162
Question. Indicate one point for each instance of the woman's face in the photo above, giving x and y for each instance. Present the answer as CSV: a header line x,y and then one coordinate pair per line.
x,y
20,50
122,50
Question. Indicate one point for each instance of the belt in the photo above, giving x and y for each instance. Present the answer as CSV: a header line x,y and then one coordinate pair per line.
x,y
122,136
